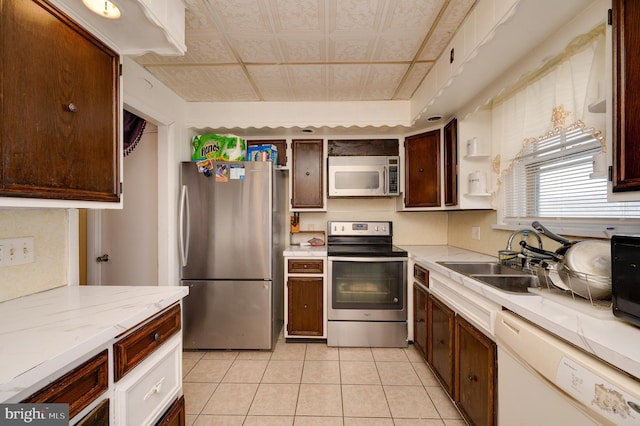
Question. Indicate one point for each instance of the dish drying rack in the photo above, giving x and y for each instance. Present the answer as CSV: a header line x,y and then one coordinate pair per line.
x,y
545,269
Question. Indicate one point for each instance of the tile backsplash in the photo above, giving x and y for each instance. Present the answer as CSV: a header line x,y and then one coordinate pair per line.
x,y
50,230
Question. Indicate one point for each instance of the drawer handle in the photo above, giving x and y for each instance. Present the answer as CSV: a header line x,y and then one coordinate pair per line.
x,y
156,336
155,389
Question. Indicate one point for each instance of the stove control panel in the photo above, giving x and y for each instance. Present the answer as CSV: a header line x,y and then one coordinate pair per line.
x,y
359,228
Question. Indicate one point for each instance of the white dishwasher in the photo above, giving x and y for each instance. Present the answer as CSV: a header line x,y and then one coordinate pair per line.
x,y
543,380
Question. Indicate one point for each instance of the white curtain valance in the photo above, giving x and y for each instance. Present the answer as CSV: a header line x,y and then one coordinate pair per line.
x,y
554,97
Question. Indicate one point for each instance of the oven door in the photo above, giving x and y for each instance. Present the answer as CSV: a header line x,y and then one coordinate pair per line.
x,y
367,288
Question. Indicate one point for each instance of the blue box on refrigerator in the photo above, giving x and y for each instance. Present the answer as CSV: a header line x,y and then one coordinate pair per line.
x,y
262,153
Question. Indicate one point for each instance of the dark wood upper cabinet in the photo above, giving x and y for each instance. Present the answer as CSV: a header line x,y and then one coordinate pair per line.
x,y
626,95
422,172
339,147
451,163
59,102
307,174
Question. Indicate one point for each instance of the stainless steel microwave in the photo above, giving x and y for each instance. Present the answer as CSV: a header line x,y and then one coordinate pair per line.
x,y
364,176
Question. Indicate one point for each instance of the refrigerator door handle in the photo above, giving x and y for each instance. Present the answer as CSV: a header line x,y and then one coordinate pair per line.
x,y
184,223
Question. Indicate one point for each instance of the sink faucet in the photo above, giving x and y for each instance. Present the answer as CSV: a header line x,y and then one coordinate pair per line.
x,y
525,234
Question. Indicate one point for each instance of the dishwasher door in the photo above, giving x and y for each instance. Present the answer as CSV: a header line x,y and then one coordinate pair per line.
x,y
543,380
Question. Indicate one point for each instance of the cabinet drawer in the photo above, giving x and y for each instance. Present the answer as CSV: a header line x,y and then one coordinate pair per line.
x,y
131,350
143,395
79,387
421,275
175,415
305,266
99,416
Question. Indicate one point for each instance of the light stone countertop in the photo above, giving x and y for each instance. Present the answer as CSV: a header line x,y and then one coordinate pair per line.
x,y
43,332
305,251
593,329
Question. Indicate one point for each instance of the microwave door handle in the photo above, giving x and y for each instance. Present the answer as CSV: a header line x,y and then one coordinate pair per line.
x,y
384,180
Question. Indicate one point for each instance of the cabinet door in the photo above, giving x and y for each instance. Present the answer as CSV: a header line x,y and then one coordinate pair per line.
x,y
59,106
306,185
451,163
441,329
422,181
475,374
420,319
626,95
175,415
305,306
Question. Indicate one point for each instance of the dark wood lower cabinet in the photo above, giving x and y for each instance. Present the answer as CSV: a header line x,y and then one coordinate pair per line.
x,y
175,415
78,388
99,416
441,341
420,298
305,306
475,374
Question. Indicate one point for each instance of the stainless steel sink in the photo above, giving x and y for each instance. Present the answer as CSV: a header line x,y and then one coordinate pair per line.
x,y
496,275
482,268
510,283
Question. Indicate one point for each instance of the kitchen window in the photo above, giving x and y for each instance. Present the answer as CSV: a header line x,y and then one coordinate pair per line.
x,y
553,179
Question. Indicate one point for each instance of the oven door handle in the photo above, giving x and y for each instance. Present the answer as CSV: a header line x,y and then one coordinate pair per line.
x,y
367,259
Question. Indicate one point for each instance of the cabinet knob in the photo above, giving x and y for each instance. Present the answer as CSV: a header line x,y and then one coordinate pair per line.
x,y
421,169
72,108
472,379
441,342
395,300
307,173
156,336
306,306
304,266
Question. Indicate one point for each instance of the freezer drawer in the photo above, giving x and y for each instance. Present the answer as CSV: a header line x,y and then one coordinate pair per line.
x,y
228,315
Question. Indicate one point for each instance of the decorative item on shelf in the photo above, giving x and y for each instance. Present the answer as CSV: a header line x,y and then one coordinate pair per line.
x,y
478,183
474,147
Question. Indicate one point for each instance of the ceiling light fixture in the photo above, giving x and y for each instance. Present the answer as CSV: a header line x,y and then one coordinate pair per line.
x,y
434,118
307,131
104,8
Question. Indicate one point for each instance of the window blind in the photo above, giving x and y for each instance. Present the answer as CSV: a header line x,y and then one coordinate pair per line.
x,y
552,179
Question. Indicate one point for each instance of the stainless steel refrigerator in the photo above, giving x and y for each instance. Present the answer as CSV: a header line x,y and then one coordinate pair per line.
x,y
232,235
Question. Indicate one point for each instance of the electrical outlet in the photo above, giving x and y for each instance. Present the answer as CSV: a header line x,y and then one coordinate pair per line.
x,y
475,232
16,251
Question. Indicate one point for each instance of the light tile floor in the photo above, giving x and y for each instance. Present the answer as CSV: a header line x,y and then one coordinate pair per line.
x,y
312,384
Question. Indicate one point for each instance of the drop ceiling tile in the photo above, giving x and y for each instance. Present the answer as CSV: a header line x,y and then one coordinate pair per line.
x,y
414,77
253,49
414,14
356,15
272,82
346,81
197,16
383,80
203,48
398,47
350,50
306,16
242,16
451,19
299,50
201,83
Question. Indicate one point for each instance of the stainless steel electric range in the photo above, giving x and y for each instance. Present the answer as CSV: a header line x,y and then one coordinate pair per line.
x,y
367,289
